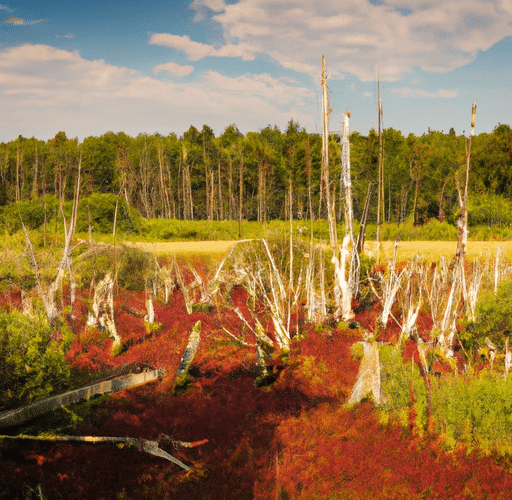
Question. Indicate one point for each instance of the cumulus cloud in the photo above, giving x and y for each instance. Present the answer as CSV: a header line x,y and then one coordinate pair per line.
x,y
410,92
173,69
43,88
355,36
196,50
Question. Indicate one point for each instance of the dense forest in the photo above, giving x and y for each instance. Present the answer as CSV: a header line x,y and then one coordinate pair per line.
x,y
202,177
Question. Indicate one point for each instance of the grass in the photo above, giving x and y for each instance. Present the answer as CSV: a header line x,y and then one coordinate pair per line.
x,y
184,248
427,250
432,250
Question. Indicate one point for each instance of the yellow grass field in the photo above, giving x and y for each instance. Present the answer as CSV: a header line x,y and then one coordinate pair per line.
x,y
428,250
432,250
182,248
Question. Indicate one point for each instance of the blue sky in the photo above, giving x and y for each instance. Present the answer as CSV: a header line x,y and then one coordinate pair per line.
x,y
161,66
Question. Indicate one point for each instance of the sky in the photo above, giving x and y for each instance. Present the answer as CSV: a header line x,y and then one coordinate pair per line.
x,y
161,66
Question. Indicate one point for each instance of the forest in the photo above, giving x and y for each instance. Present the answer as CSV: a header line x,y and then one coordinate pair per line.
x,y
202,177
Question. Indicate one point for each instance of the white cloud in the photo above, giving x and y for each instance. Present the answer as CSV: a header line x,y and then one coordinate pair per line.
x,y
355,36
173,69
196,50
6,7
410,92
44,89
20,21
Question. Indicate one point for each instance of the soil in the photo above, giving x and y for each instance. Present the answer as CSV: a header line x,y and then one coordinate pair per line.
x,y
294,438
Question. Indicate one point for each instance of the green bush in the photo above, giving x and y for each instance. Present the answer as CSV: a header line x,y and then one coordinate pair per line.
x,y
32,366
32,212
494,319
397,378
474,411
134,267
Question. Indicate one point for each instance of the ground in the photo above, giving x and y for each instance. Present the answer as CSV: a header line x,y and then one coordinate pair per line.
x,y
295,438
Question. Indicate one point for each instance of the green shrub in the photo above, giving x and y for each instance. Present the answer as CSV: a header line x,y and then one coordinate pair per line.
x,y
134,266
32,212
494,319
397,378
474,411
32,366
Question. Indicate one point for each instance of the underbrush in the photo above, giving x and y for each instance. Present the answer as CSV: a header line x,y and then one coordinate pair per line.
x,y
470,410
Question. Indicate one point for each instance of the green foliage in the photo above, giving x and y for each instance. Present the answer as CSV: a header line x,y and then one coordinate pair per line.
x,y
474,411
433,230
32,212
100,209
397,378
494,319
489,210
134,267
32,366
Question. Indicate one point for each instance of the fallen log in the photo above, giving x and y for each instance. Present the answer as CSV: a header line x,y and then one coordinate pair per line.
x,y
25,413
142,444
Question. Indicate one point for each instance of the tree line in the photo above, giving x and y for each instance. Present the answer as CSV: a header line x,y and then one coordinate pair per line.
x,y
267,175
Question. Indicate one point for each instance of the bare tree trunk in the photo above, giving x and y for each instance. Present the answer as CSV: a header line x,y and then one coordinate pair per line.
x,y
364,218
380,194
231,196
188,204
462,223
308,172
48,296
241,195
220,201
35,190
416,194
19,161
144,177
331,215
163,190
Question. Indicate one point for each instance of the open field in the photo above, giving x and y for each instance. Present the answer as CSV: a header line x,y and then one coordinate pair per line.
x,y
185,247
430,250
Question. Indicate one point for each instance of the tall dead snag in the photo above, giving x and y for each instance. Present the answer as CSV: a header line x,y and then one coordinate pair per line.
x,y
102,315
459,288
353,270
48,296
380,194
342,295
462,223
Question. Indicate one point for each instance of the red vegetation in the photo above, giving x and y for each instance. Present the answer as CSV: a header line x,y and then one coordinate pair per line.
x,y
293,439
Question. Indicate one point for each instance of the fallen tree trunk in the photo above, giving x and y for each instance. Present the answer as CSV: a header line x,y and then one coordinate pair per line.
x,y
33,410
142,444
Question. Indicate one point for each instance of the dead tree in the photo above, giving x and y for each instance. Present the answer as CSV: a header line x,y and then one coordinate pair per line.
x,y
102,315
342,295
48,295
